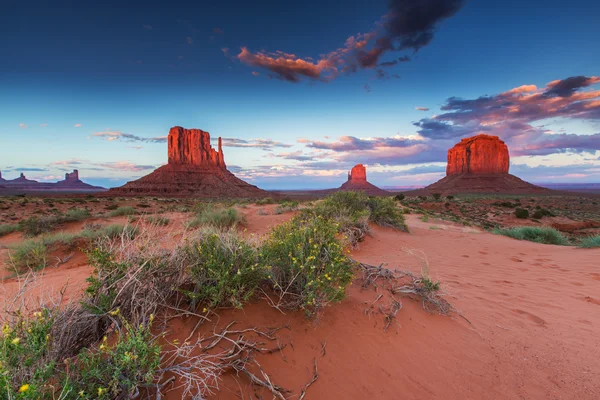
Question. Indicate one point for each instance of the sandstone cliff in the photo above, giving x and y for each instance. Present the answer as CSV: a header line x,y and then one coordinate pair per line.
x,y
481,154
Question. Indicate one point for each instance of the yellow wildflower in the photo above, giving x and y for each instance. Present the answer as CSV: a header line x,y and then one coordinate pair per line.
x,y
15,341
101,391
24,388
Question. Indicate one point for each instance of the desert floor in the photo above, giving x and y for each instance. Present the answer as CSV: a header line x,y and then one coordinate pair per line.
x,y
530,328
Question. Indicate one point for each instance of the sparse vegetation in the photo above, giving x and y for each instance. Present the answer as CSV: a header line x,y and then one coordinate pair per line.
x,y
286,206
5,229
265,201
399,197
122,211
590,242
541,213
437,196
536,234
521,213
158,220
219,218
29,255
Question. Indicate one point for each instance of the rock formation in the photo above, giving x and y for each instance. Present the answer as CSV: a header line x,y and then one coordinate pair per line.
x,y
481,154
357,181
72,183
194,169
2,179
479,164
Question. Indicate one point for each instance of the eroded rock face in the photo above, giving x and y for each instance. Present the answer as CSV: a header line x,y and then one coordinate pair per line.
x,y
481,154
194,169
73,176
358,174
192,147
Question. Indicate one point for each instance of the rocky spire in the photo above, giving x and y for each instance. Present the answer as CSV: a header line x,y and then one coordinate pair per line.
x,y
481,154
192,147
73,176
358,174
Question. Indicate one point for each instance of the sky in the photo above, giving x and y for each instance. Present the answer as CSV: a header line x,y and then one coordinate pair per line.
x,y
299,91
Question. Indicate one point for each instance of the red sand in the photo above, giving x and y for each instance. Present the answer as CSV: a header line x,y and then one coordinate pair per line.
x,y
534,309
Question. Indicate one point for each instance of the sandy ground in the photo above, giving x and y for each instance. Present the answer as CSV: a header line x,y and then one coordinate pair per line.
x,y
534,311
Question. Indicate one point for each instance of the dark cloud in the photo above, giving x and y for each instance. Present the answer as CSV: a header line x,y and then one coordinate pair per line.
x,y
408,25
567,87
421,108
26,169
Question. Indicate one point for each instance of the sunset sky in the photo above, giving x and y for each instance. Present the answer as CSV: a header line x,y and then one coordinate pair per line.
x,y
300,91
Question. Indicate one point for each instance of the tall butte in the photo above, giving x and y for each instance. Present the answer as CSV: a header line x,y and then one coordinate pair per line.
x,y
194,169
479,164
357,181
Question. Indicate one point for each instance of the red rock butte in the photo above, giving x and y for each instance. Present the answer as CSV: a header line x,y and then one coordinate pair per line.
x,y
71,183
357,181
194,169
479,164
481,154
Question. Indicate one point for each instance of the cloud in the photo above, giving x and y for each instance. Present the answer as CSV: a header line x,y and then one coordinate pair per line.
x,y
394,62
73,161
43,125
22,125
421,108
77,125
127,137
512,114
189,40
147,27
125,166
27,169
408,25
255,73
367,88
264,144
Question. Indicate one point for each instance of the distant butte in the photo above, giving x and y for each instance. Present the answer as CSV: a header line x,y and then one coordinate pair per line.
x,y
194,169
357,181
479,164
72,183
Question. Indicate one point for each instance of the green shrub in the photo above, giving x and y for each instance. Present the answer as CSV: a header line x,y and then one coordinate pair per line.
x,y
119,370
450,197
34,226
437,196
266,200
590,242
399,197
536,234
158,220
521,213
29,255
305,264
76,214
286,206
541,213
5,229
122,211
218,218
224,269
111,207
385,212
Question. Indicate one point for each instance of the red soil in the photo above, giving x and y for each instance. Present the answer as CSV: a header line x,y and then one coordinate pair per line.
x,y
533,308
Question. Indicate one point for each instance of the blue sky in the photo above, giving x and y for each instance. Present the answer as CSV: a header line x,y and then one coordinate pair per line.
x,y
75,71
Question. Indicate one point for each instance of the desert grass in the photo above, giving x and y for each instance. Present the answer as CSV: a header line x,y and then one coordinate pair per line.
x,y
544,234
223,218
5,229
590,242
122,211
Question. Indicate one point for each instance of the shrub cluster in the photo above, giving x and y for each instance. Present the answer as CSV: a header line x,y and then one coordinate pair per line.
x,y
590,242
536,234
521,213
222,218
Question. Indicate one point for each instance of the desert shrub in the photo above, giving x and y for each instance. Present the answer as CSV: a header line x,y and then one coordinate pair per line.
x,y
32,367
541,213
158,220
286,206
111,207
26,363
399,197
384,212
265,201
450,197
29,255
118,370
223,268
536,234
506,204
143,205
5,229
590,242
305,263
122,211
218,218
422,198
34,226
437,196
262,211
521,213
76,214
